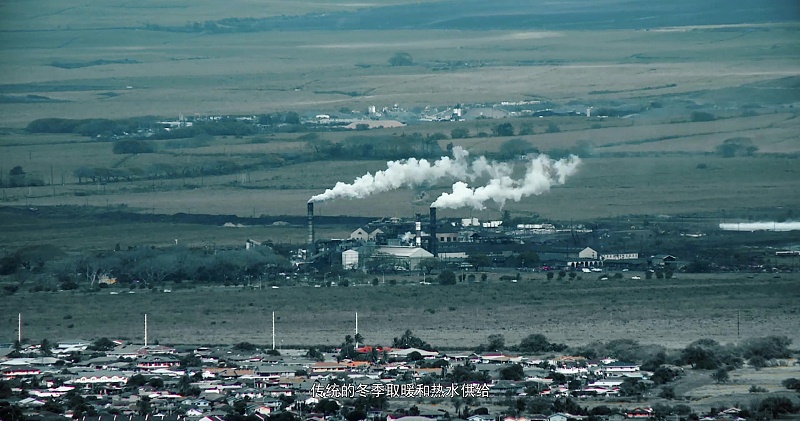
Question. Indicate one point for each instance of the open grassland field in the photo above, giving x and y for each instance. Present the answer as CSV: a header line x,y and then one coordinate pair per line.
x,y
84,230
118,60
609,187
672,312
660,182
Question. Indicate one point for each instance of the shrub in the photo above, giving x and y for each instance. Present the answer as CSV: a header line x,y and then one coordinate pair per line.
x,y
757,362
447,277
699,116
665,374
459,133
768,347
536,343
68,285
758,389
244,346
721,375
503,129
133,146
667,393
401,59
791,383
512,372
776,406
736,146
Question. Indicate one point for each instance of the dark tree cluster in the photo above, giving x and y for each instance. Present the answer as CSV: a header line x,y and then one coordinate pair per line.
x,y
408,340
538,343
90,127
17,177
378,147
146,267
736,146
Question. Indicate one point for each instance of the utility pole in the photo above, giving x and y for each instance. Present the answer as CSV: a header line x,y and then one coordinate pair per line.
x,y
737,323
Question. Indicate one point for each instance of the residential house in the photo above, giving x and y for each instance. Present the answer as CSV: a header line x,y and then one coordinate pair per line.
x,y
153,362
77,345
394,417
126,351
97,377
404,353
663,260
328,367
30,403
619,368
640,413
14,372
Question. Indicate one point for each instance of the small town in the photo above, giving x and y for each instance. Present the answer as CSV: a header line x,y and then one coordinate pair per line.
x,y
533,381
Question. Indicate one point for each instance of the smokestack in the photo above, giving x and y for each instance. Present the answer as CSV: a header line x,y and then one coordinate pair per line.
x,y
310,228
434,240
418,241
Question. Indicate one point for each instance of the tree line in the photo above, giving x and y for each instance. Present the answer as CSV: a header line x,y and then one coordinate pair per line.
x,y
142,267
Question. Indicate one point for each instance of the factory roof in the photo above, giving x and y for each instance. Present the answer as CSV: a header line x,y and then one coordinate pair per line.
x,y
405,251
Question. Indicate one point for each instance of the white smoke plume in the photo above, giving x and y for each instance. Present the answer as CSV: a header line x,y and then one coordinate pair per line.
x,y
410,172
540,175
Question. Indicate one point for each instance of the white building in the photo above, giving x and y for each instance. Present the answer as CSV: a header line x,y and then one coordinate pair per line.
x,y
587,253
362,234
406,255
350,259
620,256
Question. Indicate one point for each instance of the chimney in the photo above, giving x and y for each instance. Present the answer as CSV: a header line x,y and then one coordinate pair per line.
x,y
434,240
311,249
418,227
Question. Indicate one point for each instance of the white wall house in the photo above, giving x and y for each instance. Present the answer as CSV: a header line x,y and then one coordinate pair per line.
x,y
587,253
359,234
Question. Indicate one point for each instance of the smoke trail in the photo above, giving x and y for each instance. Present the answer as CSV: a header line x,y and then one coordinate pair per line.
x,y
541,174
410,172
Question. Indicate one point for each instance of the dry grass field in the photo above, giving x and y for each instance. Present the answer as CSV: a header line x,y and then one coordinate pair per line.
x,y
146,72
102,61
672,312
603,187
